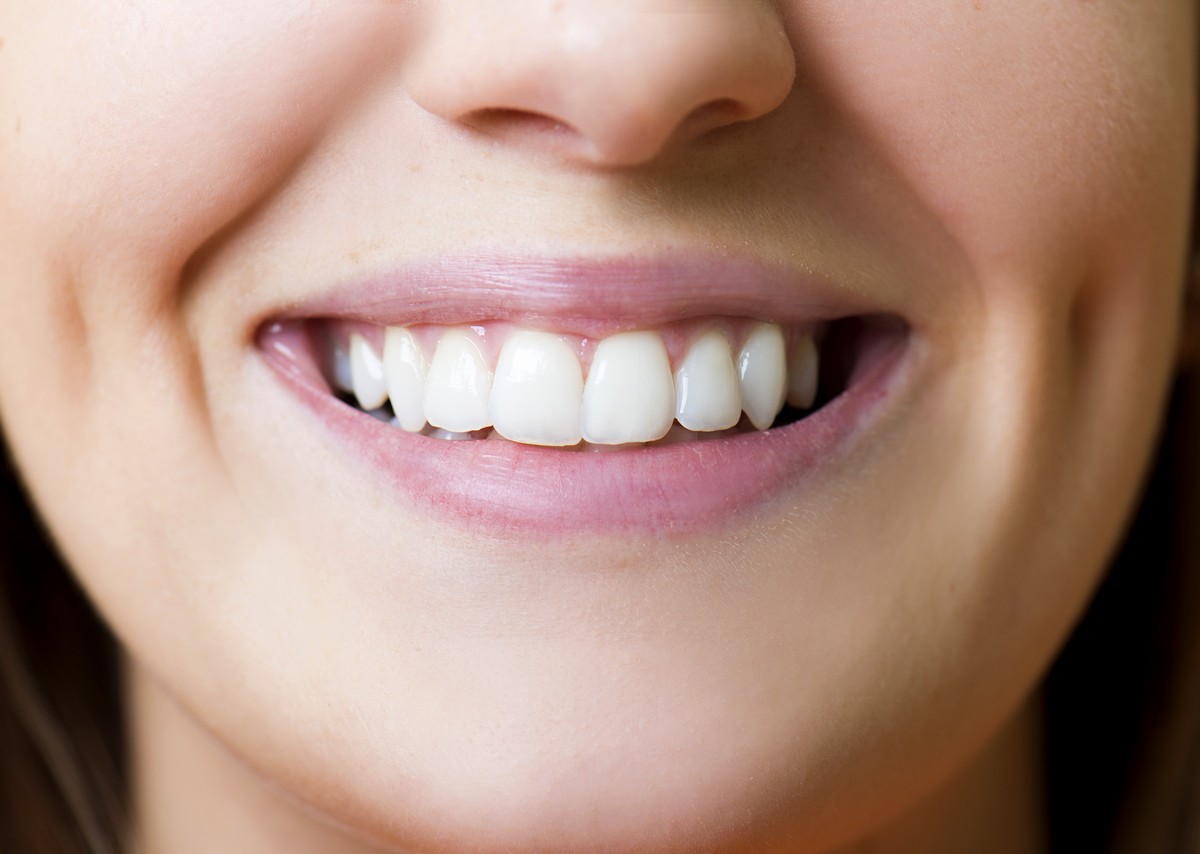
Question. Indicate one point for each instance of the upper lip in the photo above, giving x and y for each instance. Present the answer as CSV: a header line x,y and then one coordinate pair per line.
x,y
588,295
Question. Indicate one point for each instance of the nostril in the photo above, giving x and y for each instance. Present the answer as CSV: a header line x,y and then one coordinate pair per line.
x,y
720,111
511,124
627,143
713,117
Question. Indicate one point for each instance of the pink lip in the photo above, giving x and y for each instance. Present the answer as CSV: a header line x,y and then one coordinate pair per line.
x,y
506,489
584,295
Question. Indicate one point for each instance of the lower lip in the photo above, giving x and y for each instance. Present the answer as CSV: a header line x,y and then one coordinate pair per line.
x,y
507,489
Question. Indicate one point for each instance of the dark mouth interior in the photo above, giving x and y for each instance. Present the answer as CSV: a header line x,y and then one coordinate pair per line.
x,y
849,348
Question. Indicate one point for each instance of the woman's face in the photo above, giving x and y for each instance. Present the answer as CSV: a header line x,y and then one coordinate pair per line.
x,y
494,643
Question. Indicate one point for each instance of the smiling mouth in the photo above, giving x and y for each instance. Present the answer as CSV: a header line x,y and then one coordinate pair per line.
x,y
474,394
690,381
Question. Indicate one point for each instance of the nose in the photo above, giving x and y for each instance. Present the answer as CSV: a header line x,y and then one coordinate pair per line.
x,y
610,82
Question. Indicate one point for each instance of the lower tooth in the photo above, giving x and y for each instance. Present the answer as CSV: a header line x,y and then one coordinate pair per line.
x,y
588,447
339,369
449,435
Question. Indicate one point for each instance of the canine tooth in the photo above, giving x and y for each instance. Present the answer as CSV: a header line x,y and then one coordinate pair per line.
x,y
762,368
706,385
804,366
458,385
629,395
537,391
366,374
405,368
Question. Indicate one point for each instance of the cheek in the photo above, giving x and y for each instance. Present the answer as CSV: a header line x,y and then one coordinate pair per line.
x,y
149,126
131,136
1053,143
1037,134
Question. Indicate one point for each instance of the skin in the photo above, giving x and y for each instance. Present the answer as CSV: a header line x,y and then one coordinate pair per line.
x,y
314,665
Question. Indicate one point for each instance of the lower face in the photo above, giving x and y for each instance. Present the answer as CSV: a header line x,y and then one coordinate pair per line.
x,y
372,436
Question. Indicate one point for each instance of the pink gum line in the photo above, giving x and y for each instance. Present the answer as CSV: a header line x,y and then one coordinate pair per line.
x,y
491,336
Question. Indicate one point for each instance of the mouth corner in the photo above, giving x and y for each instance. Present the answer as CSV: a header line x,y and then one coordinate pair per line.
x,y
504,421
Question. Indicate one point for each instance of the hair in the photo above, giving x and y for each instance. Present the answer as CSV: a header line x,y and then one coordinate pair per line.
x,y
63,780
1122,700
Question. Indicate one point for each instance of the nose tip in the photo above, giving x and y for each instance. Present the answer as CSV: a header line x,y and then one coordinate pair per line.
x,y
611,82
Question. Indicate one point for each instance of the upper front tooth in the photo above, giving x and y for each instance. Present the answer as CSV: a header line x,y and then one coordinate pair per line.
x,y
366,374
458,385
538,391
803,374
405,367
629,395
706,385
762,367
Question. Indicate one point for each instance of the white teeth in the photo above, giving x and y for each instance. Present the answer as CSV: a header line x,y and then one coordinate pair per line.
x,y
405,366
706,385
449,435
629,396
458,385
366,374
538,391
538,395
762,368
339,368
803,374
